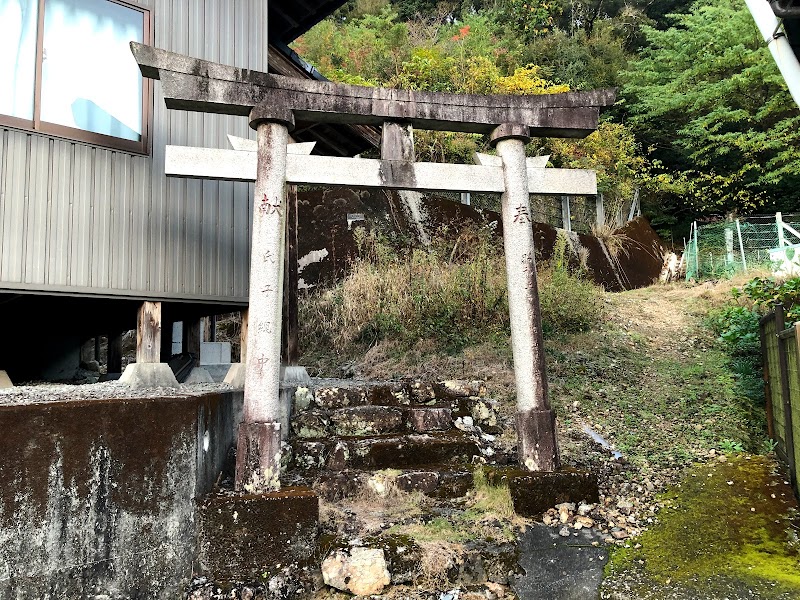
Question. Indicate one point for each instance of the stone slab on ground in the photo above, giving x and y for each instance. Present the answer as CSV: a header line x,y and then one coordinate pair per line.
x,y
567,568
5,381
534,492
149,375
244,537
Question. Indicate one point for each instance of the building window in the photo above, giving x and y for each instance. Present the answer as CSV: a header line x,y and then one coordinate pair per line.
x,y
66,69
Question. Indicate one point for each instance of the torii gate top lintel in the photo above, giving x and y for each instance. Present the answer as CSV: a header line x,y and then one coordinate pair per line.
x,y
204,86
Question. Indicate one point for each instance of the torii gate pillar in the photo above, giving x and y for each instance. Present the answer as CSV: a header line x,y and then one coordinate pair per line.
x,y
258,452
536,423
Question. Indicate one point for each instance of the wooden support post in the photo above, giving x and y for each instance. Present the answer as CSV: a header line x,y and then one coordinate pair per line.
x,y
148,333
245,320
211,328
167,329
786,397
259,442
114,356
192,338
765,370
536,427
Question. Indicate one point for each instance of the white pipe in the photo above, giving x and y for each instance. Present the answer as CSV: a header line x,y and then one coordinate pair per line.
x,y
768,24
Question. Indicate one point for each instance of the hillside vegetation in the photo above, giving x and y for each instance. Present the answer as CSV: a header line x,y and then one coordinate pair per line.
x,y
703,125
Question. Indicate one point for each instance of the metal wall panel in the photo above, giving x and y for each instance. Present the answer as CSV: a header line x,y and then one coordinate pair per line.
x,y
81,219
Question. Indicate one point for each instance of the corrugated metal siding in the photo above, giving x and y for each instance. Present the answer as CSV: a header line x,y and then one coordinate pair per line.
x,y
76,218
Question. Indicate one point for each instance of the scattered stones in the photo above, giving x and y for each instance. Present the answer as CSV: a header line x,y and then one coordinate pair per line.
x,y
361,571
303,398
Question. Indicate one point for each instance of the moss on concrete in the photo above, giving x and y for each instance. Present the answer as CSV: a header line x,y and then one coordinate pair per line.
x,y
728,522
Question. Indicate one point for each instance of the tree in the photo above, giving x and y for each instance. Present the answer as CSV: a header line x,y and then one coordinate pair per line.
x,y
706,97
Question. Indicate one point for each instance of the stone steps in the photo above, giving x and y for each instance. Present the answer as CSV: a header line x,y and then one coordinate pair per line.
x,y
345,433
437,481
385,452
370,420
330,394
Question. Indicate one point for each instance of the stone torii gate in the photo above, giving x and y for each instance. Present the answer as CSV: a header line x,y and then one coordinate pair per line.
x,y
273,104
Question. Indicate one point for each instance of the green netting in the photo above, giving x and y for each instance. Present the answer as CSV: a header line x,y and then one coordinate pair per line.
x,y
716,248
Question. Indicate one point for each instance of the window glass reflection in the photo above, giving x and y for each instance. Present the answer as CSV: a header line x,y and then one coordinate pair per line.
x,y
18,19
90,79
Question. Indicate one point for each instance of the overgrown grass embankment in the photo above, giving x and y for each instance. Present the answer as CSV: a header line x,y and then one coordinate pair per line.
x,y
452,294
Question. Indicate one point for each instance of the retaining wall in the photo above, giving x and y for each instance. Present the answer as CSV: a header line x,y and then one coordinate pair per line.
x,y
98,498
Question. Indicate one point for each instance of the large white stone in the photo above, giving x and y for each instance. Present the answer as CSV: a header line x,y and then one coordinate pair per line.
x,y
5,381
361,571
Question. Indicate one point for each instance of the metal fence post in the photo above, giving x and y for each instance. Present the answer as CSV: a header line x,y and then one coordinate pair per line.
x,y
741,245
779,225
696,254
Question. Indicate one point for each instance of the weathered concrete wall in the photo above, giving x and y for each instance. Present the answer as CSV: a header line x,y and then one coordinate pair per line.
x,y
97,498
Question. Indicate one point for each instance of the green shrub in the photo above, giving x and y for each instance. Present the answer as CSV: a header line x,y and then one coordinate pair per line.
x,y
764,293
737,328
570,302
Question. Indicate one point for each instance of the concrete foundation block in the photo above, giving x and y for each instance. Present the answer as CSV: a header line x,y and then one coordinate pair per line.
x,y
251,537
5,381
533,493
218,372
199,375
235,376
149,375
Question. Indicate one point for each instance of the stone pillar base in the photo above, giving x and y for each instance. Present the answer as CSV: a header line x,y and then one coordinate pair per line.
x,y
147,375
538,447
199,375
258,458
235,376
250,537
5,381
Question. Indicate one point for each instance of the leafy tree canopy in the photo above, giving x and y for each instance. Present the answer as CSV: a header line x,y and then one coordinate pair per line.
x,y
707,98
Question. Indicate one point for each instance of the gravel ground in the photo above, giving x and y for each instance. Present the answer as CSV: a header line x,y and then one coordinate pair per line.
x,y
39,393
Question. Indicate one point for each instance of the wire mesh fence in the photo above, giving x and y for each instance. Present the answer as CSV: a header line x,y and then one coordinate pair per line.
x,y
721,249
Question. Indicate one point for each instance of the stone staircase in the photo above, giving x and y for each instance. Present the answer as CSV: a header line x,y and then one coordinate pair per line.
x,y
344,434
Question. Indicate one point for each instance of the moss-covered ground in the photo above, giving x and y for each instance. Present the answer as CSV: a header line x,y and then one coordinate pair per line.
x,y
727,530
